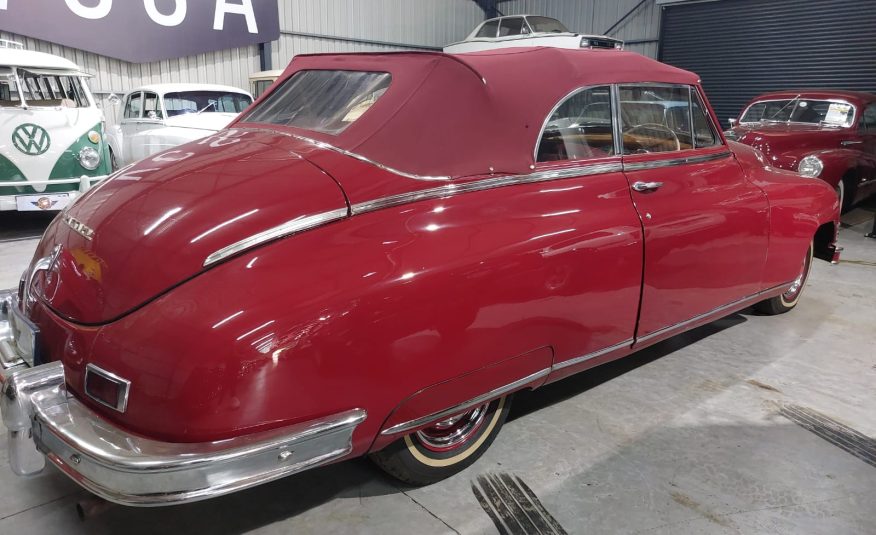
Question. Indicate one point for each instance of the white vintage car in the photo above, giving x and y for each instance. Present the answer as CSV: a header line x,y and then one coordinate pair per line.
x,y
528,30
52,145
161,116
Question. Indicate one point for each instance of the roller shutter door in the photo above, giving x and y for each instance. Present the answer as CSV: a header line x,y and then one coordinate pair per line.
x,y
742,48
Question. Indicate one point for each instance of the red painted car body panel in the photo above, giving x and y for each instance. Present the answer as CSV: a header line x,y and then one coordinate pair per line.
x,y
845,151
398,309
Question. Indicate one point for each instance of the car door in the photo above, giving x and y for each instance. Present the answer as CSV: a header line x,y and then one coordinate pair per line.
x,y
706,226
129,124
585,204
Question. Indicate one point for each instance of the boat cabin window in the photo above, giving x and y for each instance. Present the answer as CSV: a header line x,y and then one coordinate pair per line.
x,y
321,100
580,128
488,29
512,26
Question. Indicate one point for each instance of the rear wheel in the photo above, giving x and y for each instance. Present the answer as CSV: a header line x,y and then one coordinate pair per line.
x,y
114,165
788,300
446,447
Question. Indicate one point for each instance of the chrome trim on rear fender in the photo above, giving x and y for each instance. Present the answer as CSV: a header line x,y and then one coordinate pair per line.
x,y
132,470
639,166
485,184
411,425
290,227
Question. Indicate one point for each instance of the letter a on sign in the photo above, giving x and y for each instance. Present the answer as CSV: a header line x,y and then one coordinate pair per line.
x,y
99,11
243,8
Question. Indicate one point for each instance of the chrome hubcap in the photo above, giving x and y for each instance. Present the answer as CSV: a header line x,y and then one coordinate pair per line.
x,y
454,431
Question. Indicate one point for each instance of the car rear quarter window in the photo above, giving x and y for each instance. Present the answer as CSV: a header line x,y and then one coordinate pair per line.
x,y
868,120
324,101
579,128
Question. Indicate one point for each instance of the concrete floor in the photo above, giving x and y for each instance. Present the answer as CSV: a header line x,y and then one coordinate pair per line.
x,y
688,436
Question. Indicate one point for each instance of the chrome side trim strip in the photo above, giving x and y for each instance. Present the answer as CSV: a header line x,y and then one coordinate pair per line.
x,y
713,312
413,424
639,166
290,227
485,184
590,356
351,154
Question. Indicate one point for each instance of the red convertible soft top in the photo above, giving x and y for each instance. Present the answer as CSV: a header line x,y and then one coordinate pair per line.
x,y
470,114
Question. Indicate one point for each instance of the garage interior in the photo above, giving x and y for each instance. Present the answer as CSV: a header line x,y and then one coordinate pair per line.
x,y
749,424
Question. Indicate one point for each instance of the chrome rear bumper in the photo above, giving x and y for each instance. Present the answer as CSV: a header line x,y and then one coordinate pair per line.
x,y
47,422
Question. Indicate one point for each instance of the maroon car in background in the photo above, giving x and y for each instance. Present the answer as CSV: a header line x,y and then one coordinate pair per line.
x,y
826,134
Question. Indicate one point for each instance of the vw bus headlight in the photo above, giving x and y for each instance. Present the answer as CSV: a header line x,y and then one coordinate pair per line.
x,y
810,166
89,158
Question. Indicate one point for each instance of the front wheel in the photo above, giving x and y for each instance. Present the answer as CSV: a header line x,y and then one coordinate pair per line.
x,y
446,447
788,300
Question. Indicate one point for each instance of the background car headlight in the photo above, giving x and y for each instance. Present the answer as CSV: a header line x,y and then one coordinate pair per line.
x,y
810,166
89,158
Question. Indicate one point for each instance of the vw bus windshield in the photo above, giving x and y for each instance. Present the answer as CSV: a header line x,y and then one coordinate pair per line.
x,y
47,90
9,95
205,102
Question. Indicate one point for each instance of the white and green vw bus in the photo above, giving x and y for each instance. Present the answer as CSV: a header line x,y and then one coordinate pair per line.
x,y
52,145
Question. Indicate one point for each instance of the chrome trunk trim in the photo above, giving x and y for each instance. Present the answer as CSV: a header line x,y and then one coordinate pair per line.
x,y
131,470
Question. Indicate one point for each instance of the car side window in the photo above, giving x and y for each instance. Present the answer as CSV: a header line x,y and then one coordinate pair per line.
x,y
151,106
868,120
488,29
655,118
579,128
512,26
704,132
133,106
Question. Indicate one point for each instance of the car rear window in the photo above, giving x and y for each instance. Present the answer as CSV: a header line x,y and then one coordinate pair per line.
x,y
321,100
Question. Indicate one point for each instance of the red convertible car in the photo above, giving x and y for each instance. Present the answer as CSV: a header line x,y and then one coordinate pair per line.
x,y
823,134
375,256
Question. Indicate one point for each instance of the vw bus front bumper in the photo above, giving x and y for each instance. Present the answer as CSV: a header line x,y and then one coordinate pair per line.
x,y
46,422
13,202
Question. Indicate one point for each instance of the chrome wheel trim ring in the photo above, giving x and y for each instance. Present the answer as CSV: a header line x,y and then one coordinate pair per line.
x,y
454,431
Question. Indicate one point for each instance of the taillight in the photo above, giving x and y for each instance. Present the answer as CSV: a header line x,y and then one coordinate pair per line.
x,y
107,388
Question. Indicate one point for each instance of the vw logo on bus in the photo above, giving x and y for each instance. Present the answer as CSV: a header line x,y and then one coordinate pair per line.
x,y
31,139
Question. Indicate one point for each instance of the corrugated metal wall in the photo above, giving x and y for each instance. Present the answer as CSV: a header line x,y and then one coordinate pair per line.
x,y
772,45
309,26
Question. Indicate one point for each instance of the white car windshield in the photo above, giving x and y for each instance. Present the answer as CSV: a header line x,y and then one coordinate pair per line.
x,y
800,110
184,102
42,90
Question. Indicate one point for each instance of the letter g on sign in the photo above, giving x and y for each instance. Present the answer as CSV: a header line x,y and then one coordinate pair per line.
x,y
99,11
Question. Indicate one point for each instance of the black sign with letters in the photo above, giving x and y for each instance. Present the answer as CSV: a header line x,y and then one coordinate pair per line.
x,y
142,31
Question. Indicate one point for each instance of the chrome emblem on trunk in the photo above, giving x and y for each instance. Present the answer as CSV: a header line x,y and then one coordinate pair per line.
x,y
81,228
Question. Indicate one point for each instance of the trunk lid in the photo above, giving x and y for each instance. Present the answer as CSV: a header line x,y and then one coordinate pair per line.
x,y
153,226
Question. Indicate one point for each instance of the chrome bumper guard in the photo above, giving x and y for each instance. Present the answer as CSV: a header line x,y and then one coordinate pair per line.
x,y
46,422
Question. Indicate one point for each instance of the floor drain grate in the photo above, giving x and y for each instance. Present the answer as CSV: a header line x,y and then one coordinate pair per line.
x,y
841,436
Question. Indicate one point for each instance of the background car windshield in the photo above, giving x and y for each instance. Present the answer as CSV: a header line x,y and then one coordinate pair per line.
x,y
546,25
322,101
801,111
205,101
42,90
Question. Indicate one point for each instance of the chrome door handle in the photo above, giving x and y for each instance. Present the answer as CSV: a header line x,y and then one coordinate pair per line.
x,y
647,186
848,142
